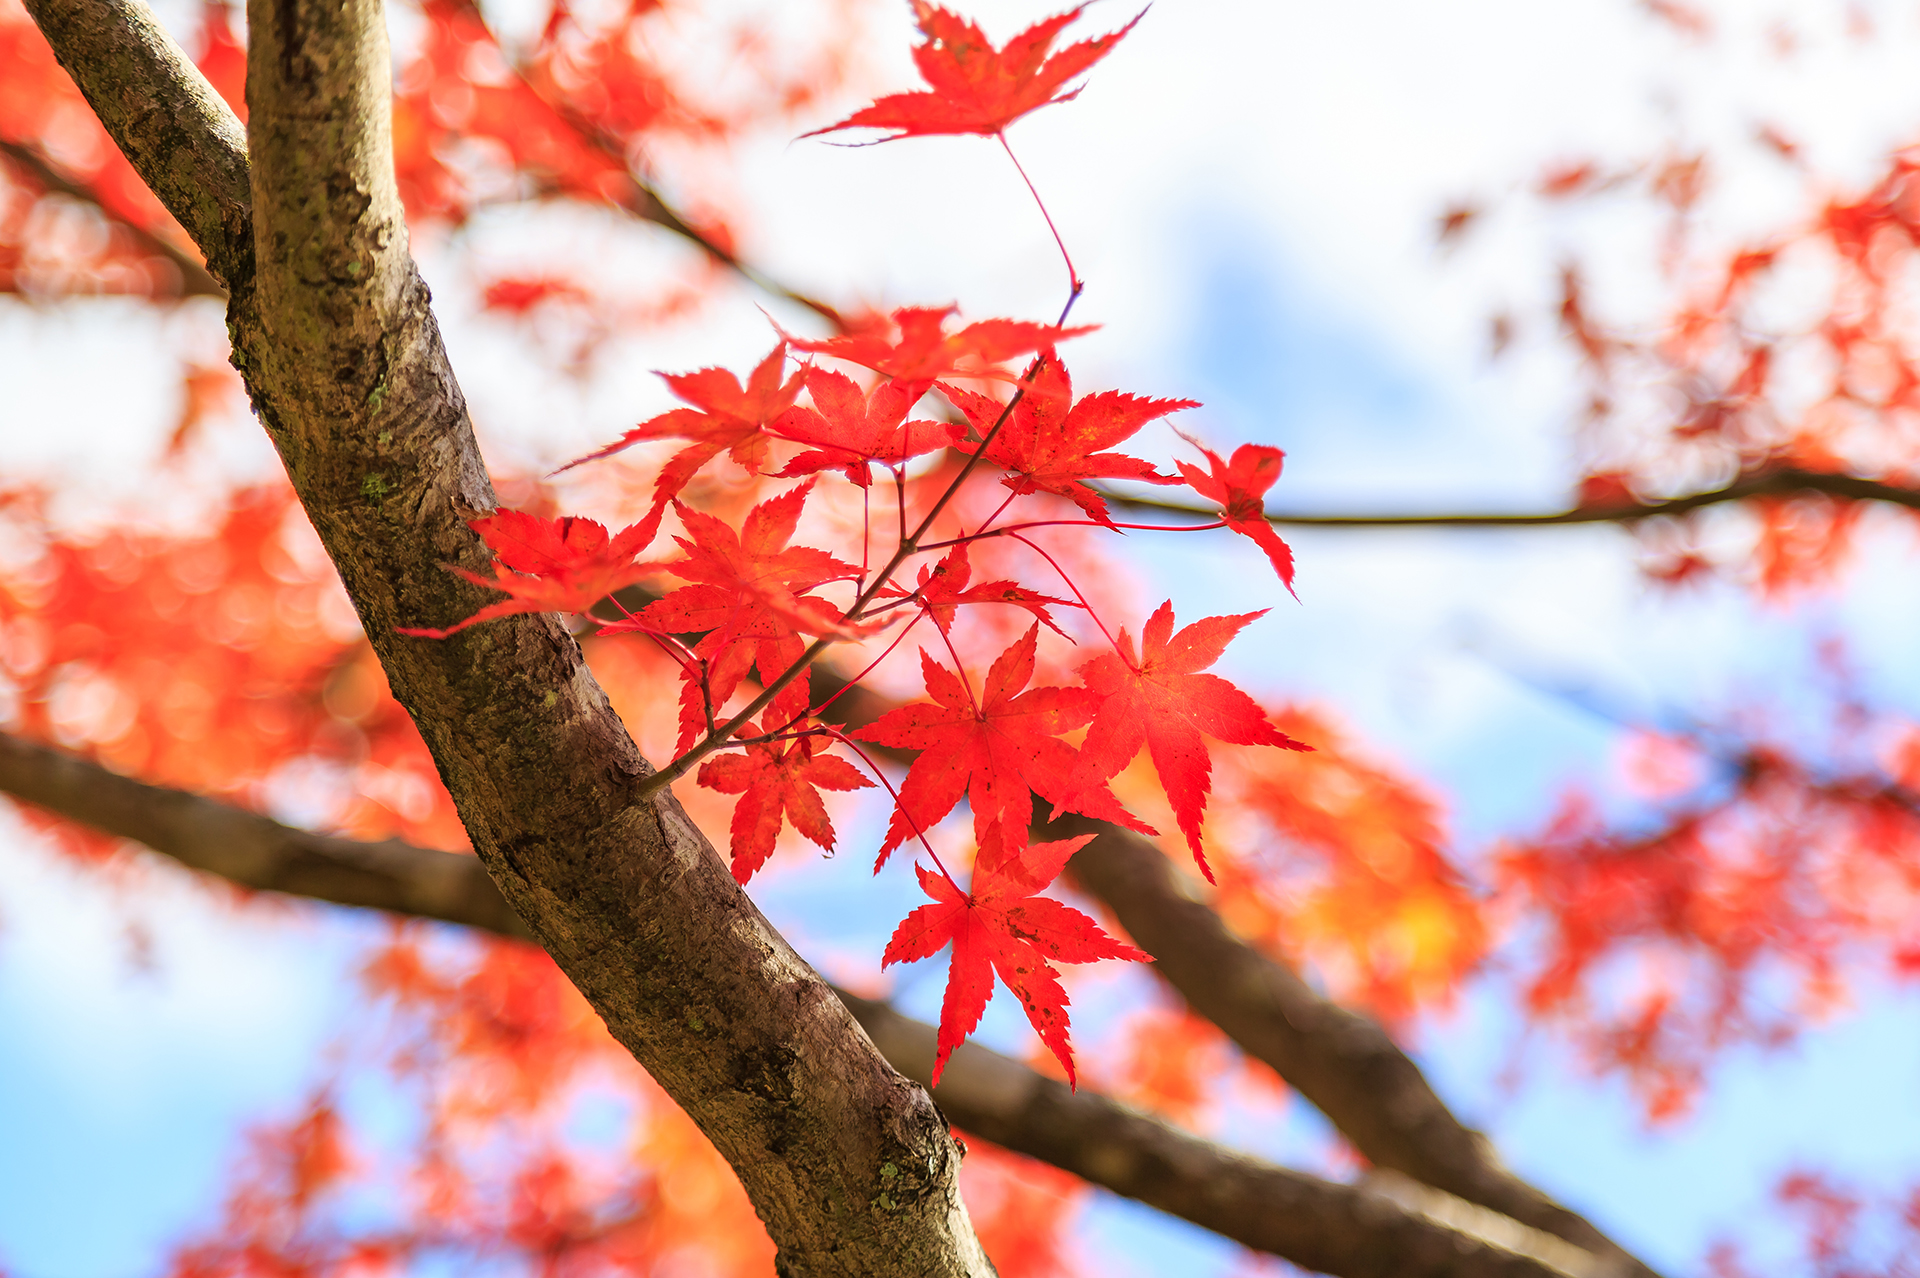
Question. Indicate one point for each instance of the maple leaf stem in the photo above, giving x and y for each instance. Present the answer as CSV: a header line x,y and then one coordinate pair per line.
x,y
684,662
909,546
1013,529
706,692
961,667
850,684
1074,281
873,767
866,531
1029,544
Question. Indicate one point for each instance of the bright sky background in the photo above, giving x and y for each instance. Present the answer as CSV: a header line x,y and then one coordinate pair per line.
x,y
1252,190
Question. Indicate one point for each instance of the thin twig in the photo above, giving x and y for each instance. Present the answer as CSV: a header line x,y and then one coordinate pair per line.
x,y
1783,481
195,281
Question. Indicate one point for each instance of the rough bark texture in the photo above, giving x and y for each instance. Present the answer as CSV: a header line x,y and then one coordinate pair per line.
x,y
1400,1228
849,1165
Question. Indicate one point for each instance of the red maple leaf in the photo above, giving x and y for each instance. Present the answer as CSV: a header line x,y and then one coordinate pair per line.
x,y
1240,486
776,780
976,87
725,417
851,429
1001,926
551,565
1161,702
997,752
747,601
912,345
943,587
1050,447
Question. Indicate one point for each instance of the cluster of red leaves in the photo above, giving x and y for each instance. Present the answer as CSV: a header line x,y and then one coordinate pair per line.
x,y
1736,919
1844,1233
1793,350
97,234
753,603
1335,862
224,662
490,1051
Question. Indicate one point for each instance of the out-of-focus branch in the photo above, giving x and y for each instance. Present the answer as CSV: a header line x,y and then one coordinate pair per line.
x,y
1784,481
1344,1063
1341,1061
254,851
645,202
1397,1228
194,279
164,115
1391,1226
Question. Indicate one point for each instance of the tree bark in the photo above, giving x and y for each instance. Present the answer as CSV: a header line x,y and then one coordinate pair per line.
x,y
850,1166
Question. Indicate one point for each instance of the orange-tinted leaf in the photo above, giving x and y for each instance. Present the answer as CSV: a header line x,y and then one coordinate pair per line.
x,y
1162,702
1001,926
976,87
550,565
1050,447
998,751
1240,486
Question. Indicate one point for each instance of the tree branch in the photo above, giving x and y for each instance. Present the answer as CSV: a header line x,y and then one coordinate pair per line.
x,y
1399,1228
332,331
1395,1227
644,201
194,279
1342,1062
254,851
1782,481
